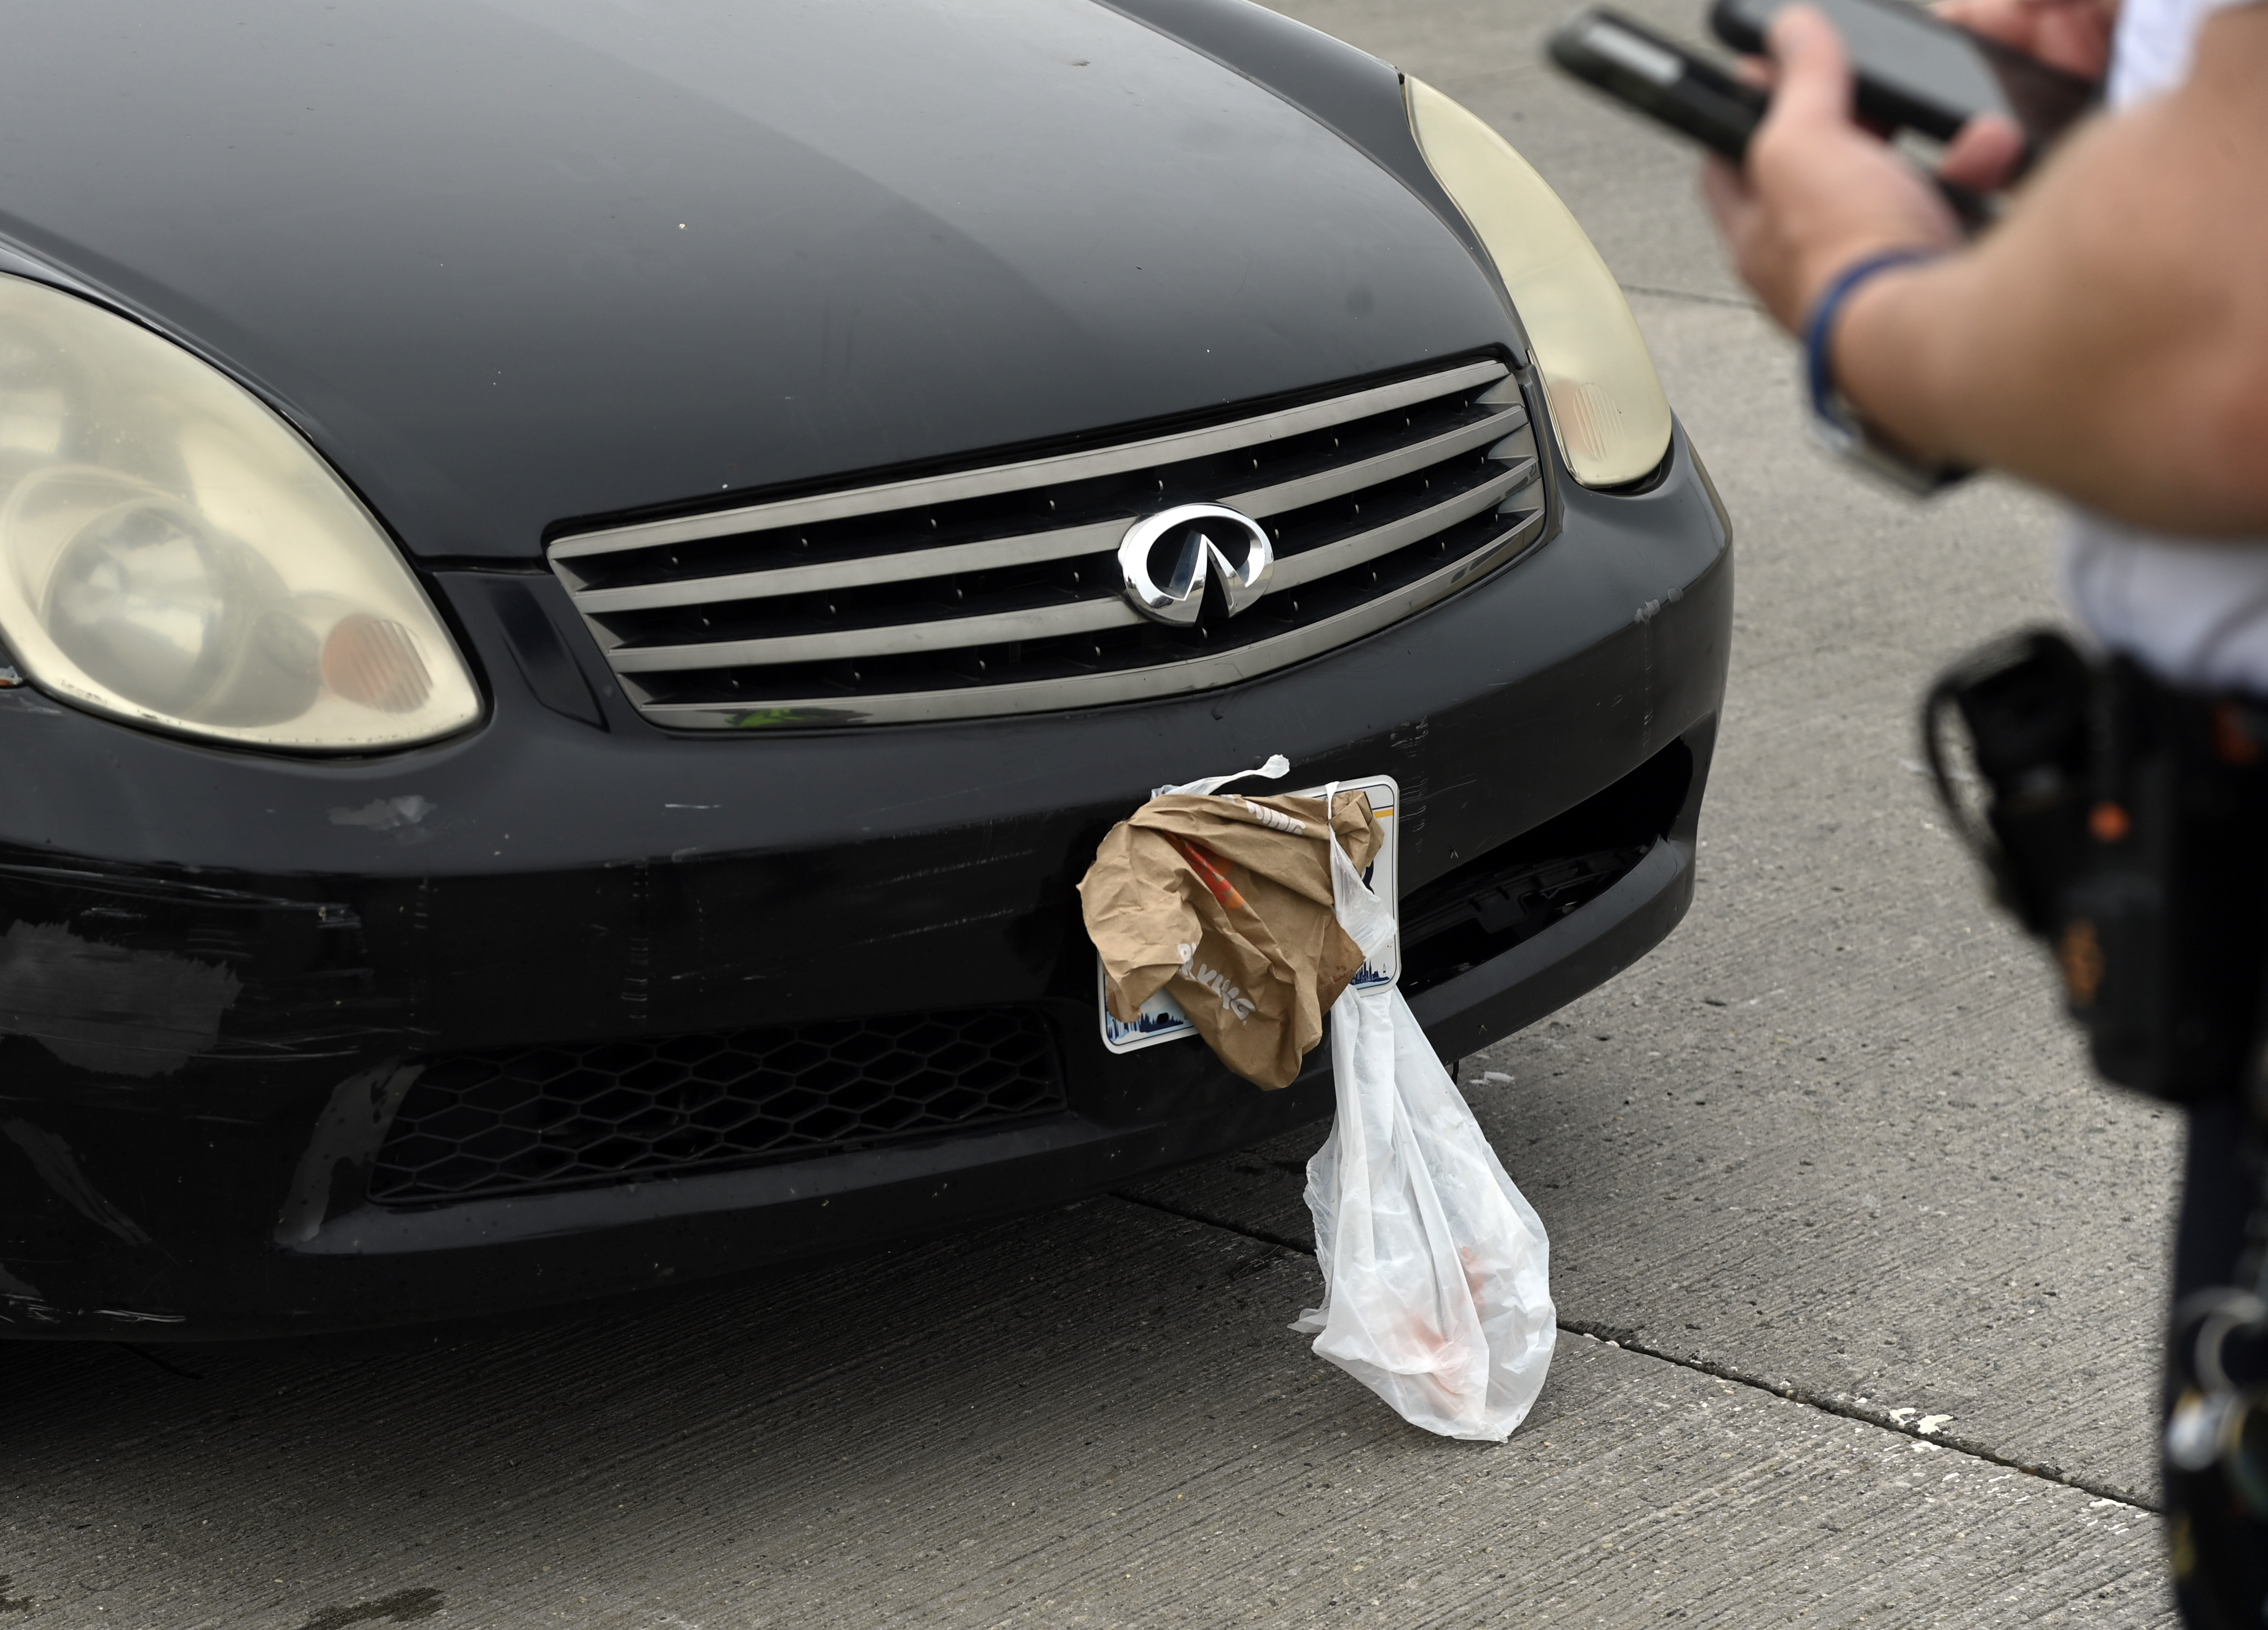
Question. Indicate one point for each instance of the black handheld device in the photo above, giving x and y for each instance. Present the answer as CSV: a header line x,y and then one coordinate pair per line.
x,y
1660,78
1917,73
1666,81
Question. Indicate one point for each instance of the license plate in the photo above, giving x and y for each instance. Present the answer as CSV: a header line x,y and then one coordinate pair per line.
x,y
1161,1018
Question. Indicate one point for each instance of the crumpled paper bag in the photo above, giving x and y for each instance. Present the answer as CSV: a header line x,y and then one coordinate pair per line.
x,y
1225,901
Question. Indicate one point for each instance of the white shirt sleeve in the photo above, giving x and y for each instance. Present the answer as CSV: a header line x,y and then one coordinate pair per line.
x,y
2150,52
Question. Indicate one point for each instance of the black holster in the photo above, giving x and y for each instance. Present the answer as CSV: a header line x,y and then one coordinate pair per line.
x,y
2125,824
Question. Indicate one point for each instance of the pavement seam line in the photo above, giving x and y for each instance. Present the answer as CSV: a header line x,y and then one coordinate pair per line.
x,y
1832,1404
1187,1215
1693,294
1851,1409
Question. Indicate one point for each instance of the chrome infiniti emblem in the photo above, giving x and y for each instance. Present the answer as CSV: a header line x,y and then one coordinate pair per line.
x,y
1191,541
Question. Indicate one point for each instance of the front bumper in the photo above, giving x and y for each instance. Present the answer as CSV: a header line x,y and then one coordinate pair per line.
x,y
207,954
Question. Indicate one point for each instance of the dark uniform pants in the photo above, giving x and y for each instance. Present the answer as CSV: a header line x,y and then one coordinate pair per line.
x,y
2217,1194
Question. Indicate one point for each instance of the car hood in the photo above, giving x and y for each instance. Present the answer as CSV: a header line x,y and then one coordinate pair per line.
x,y
510,264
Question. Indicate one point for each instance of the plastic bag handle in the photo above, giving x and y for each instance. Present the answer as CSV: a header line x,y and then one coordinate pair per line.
x,y
1368,920
1276,768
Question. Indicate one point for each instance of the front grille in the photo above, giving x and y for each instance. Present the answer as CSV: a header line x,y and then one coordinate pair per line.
x,y
998,590
521,1120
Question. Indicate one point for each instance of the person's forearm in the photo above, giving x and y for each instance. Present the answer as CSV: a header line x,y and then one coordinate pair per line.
x,y
2109,340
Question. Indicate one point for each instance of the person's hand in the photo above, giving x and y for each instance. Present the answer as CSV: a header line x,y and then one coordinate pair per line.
x,y
2073,36
1819,193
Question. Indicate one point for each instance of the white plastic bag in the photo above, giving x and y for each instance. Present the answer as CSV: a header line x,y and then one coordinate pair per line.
x,y
1436,1271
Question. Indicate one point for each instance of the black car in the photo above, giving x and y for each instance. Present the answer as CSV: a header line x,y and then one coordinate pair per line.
x,y
580,582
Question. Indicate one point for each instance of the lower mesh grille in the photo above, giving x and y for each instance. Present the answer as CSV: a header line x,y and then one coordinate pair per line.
x,y
518,1120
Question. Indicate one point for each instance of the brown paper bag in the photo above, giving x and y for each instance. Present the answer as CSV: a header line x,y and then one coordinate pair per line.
x,y
1225,901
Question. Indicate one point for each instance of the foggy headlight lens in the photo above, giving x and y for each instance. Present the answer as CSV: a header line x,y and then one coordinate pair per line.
x,y
147,602
173,554
1606,407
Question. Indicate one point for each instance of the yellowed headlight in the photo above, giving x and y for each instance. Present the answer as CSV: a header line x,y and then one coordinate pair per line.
x,y
173,554
1606,407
